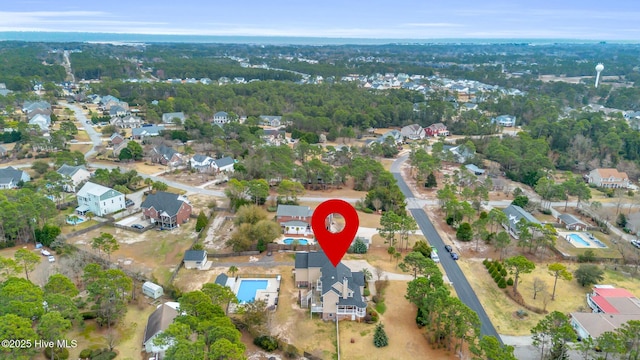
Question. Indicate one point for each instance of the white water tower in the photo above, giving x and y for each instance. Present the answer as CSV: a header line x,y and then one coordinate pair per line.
x,y
599,69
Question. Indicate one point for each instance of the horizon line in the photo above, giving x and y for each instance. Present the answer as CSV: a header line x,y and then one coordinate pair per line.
x,y
379,40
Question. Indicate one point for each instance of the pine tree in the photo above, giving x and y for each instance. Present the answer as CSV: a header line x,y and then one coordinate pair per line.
x,y
431,181
380,337
201,223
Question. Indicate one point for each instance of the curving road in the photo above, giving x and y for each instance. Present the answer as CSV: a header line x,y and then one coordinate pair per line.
x,y
456,276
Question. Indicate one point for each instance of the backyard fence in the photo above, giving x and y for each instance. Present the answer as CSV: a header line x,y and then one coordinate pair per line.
x,y
86,230
226,255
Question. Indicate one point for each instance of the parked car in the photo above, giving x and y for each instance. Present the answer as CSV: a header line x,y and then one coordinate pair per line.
x,y
51,258
129,203
137,226
454,256
45,252
448,248
636,243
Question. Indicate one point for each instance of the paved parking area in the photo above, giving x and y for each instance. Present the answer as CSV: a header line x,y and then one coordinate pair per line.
x,y
134,219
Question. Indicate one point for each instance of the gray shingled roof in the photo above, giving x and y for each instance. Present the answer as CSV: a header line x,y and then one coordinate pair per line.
x,y
163,201
515,213
199,157
222,280
11,173
294,210
225,161
570,219
159,321
68,170
166,151
194,255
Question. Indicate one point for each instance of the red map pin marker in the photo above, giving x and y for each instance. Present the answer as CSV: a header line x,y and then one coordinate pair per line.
x,y
335,245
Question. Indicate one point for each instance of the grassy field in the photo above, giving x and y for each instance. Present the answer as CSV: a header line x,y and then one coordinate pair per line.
x,y
570,296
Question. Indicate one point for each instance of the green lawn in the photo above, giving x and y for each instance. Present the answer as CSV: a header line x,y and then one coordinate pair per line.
x,y
611,252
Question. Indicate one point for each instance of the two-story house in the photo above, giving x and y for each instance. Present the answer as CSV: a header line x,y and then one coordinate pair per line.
x,y
413,132
128,121
166,155
73,176
11,177
437,129
294,219
202,163
171,118
608,178
220,118
99,199
504,120
271,120
334,292
166,209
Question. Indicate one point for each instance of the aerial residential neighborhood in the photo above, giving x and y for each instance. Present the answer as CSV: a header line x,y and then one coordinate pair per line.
x,y
157,200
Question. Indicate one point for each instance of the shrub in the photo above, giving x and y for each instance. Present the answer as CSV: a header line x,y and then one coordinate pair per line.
x,y
494,273
105,355
546,211
377,298
587,257
497,278
380,338
58,353
291,351
381,307
366,292
85,354
358,247
498,265
367,211
266,342
421,320
503,272
485,262
89,315
510,281
502,284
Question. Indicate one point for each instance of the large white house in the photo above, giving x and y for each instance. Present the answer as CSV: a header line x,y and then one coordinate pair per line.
x,y
608,178
413,132
99,199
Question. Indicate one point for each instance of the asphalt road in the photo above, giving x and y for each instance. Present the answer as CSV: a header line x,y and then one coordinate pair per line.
x,y
456,276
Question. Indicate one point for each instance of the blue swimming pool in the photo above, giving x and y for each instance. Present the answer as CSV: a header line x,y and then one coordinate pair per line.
x,y
75,221
289,241
247,290
577,238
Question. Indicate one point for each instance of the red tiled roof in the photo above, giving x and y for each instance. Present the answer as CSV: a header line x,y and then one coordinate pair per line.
x,y
613,292
604,305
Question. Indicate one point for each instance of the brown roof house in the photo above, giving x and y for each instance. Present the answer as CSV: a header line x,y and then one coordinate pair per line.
x,y
608,178
166,209
334,292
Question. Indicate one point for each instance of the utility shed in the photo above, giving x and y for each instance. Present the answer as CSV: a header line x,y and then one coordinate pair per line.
x,y
152,290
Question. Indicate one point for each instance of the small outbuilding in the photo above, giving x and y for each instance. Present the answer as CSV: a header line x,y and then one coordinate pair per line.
x,y
152,290
195,259
572,223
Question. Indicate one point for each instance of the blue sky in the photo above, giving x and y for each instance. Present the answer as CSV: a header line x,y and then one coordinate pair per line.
x,y
398,19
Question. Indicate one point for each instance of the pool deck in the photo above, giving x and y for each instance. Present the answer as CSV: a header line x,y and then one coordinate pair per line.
x,y
268,295
592,244
309,240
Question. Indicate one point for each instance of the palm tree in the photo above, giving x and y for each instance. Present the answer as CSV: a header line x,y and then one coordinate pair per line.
x,y
232,270
89,215
148,182
74,218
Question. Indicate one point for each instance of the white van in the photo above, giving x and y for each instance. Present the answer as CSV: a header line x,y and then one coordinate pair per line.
x,y
434,256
